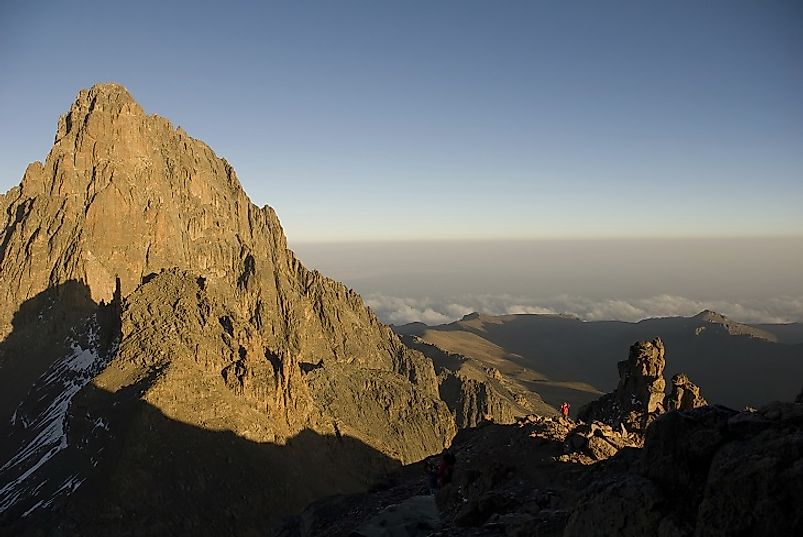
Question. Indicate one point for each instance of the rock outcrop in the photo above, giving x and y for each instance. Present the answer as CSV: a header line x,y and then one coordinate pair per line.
x,y
710,471
133,260
475,392
685,394
474,401
639,396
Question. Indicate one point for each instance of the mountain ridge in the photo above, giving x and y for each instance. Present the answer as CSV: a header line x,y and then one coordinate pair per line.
x,y
546,351
134,245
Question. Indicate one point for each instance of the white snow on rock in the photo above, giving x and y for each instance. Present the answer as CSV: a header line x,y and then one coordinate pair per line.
x,y
47,431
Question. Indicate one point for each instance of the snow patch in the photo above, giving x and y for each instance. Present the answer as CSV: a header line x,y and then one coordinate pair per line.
x,y
56,387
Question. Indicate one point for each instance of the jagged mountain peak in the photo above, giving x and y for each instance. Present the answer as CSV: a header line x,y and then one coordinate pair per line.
x,y
133,223
97,108
123,194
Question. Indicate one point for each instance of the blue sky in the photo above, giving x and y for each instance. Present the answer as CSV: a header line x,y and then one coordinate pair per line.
x,y
454,120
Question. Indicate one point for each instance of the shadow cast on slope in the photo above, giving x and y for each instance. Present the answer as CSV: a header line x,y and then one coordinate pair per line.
x,y
500,471
41,330
141,472
159,476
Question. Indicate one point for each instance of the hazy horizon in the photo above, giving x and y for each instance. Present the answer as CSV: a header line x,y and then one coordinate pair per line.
x,y
749,280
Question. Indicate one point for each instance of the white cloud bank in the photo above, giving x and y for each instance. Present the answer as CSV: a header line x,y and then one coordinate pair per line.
x,y
398,310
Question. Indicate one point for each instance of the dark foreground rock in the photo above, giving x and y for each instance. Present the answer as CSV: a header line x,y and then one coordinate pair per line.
x,y
508,480
696,471
706,472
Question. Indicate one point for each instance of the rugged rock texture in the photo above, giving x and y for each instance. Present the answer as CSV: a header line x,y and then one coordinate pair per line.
x,y
685,394
212,332
473,401
591,442
639,396
520,479
710,471
476,392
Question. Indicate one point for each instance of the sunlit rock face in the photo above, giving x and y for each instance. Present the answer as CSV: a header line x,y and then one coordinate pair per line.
x,y
135,245
685,394
639,395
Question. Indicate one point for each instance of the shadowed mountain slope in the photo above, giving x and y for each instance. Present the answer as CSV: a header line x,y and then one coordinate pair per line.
x,y
156,475
564,358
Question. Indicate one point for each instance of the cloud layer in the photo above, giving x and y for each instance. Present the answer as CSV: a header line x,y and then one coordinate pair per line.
x,y
402,310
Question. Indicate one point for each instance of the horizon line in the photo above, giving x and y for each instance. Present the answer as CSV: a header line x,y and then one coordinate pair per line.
x,y
397,240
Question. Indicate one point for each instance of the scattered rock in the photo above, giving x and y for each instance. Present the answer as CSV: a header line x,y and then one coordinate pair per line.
x,y
600,441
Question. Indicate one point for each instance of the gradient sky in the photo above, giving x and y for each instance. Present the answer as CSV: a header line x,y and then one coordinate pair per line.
x,y
409,120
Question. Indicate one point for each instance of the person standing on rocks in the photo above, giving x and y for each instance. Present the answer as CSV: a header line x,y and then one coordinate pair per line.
x,y
564,409
446,469
432,474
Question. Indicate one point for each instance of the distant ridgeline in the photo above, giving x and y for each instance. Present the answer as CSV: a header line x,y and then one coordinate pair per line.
x,y
563,358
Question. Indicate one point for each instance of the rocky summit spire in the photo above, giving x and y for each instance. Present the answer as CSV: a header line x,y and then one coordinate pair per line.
x,y
93,107
123,194
139,284
639,396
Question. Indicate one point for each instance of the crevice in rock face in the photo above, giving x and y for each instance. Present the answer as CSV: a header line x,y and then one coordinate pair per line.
x,y
249,268
20,213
